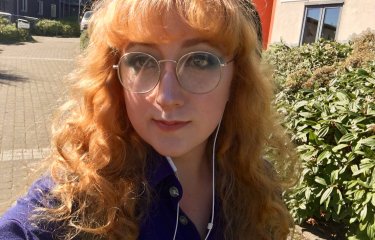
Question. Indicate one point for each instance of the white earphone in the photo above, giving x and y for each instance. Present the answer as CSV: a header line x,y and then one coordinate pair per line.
x,y
173,166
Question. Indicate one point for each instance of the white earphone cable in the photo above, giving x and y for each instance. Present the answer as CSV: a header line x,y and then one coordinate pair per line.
x,y
173,166
211,223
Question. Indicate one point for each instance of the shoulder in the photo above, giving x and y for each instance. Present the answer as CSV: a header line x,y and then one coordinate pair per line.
x,y
15,223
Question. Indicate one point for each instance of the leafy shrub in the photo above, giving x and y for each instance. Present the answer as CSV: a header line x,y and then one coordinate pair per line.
x,y
84,39
334,128
331,111
320,77
9,33
46,27
4,21
305,59
363,51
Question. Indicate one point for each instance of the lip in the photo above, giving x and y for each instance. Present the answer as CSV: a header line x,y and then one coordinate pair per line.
x,y
170,125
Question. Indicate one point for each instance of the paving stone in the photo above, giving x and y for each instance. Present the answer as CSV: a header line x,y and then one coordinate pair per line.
x,y
30,87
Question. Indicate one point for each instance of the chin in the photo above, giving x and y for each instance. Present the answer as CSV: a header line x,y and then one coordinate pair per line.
x,y
169,153
170,150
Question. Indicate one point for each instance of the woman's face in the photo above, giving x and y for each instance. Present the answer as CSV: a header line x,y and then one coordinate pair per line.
x,y
174,121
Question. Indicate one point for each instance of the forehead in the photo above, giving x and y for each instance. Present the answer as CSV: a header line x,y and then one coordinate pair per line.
x,y
156,23
174,30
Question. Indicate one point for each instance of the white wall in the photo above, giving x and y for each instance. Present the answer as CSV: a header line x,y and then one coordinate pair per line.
x,y
287,22
356,17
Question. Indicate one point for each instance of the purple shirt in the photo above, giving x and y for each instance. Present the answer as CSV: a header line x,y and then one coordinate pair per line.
x,y
159,223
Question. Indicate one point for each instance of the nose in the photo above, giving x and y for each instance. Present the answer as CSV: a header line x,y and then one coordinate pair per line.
x,y
169,93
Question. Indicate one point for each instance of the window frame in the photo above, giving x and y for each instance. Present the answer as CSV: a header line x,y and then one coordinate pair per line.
x,y
24,6
3,4
53,10
322,9
40,7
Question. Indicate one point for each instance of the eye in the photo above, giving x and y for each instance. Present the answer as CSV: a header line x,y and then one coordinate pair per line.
x,y
139,61
201,61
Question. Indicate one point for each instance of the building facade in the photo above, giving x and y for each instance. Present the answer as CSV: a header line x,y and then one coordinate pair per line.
x,y
51,9
296,22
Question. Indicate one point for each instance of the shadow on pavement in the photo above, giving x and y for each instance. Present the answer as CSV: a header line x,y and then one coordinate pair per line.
x,y
32,40
7,78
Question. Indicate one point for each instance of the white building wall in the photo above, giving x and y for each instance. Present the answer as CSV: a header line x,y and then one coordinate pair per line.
x,y
356,17
287,22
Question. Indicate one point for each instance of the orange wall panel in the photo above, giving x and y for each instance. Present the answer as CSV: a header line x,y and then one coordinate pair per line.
x,y
265,9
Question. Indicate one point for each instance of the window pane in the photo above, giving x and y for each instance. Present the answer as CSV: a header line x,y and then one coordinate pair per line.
x,y
311,25
330,23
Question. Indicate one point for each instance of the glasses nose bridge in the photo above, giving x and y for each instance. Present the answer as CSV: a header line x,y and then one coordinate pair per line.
x,y
165,61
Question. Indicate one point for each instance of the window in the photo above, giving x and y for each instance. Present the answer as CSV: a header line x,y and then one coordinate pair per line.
x,y
24,5
3,4
40,7
53,10
320,22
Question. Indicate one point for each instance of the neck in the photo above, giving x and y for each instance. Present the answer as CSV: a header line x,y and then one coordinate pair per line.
x,y
193,167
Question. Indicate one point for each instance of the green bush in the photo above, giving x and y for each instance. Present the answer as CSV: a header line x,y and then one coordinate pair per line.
x,y
10,34
46,27
330,109
305,59
4,21
84,39
335,133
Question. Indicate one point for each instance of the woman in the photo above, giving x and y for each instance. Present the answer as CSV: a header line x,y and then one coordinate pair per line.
x,y
165,134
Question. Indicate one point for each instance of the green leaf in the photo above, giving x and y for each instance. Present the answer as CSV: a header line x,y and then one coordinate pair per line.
x,y
334,176
323,131
368,198
347,138
359,194
371,231
342,96
339,206
362,72
354,168
309,122
352,220
308,193
373,199
363,167
362,226
320,181
341,128
368,141
326,195
363,214
340,146
300,104
306,114
325,154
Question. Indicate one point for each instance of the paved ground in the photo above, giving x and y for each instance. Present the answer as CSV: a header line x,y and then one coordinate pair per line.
x,y
31,87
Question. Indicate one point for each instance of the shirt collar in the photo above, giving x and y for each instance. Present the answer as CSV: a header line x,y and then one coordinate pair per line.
x,y
158,169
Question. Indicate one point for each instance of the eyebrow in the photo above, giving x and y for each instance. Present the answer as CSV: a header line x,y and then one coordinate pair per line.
x,y
186,44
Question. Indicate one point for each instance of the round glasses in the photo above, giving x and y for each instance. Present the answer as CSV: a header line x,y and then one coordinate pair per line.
x,y
197,72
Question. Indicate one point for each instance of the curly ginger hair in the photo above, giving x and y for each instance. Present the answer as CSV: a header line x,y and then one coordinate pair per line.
x,y
99,162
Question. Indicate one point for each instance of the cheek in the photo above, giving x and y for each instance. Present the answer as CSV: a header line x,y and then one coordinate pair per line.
x,y
135,107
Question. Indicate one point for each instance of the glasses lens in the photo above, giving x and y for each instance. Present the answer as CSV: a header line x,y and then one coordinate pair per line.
x,y
199,72
139,72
